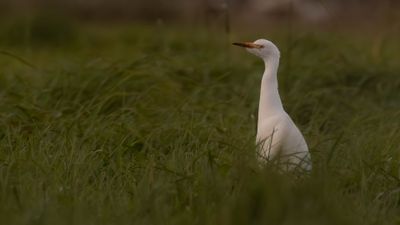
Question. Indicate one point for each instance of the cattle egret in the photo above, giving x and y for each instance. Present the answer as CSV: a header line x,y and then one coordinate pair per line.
x,y
278,137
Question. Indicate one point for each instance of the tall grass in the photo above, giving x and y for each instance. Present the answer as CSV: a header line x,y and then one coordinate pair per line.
x,y
154,126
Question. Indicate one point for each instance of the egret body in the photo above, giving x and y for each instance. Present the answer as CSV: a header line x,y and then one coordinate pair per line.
x,y
278,137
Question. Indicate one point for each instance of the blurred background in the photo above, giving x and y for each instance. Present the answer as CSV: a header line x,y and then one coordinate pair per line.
x,y
371,14
49,22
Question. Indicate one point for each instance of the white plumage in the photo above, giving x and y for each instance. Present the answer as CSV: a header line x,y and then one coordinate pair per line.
x,y
278,137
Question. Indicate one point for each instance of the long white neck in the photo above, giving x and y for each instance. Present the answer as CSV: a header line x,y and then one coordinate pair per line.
x,y
270,101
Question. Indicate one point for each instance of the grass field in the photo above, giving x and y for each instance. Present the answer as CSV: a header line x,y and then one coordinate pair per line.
x,y
156,125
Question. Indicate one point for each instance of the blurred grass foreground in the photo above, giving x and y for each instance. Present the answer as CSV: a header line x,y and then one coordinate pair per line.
x,y
153,123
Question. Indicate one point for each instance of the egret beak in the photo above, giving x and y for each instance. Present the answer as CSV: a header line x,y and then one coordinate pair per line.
x,y
248,45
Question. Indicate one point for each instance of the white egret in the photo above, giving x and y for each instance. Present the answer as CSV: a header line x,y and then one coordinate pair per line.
x,y
278,137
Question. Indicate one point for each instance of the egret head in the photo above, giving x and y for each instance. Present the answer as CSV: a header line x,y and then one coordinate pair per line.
x,y
262,48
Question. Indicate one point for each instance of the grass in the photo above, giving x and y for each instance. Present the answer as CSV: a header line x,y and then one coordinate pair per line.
x,y
155,125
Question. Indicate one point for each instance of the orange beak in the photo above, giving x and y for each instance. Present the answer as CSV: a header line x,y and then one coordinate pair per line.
x,y
248,45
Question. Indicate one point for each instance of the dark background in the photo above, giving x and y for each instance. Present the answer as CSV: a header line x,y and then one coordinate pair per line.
x,y
242,12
